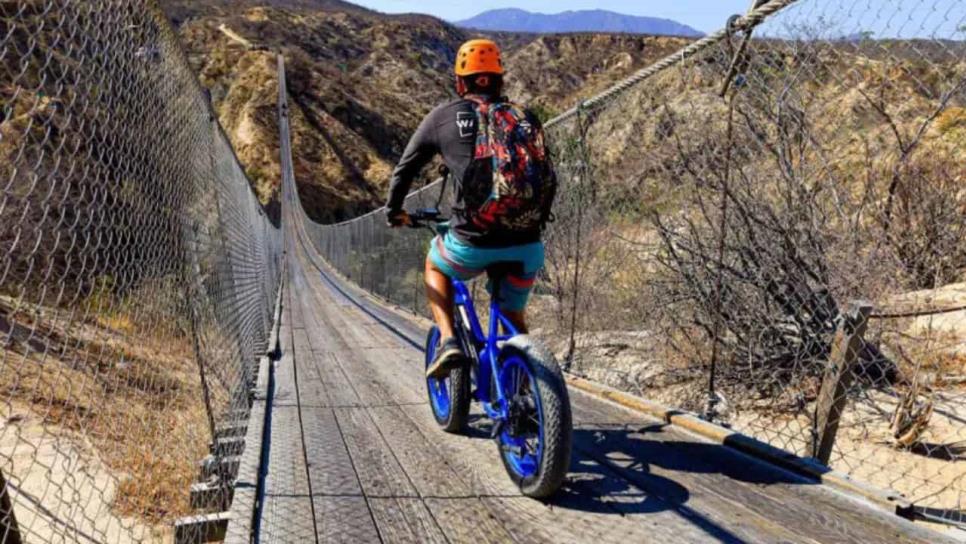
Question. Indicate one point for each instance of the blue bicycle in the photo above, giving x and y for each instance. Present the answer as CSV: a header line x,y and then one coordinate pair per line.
x,y
516,380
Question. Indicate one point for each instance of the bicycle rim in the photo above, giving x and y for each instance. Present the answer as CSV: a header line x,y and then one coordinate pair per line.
x,y
438,389
521,441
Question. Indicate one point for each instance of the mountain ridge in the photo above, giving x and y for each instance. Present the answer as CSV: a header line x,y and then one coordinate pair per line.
x,y
360,82
598,20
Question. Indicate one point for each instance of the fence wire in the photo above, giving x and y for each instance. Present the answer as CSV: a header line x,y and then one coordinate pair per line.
x,y
137,283
722,212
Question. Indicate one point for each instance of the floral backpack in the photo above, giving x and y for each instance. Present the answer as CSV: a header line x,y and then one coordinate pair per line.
x,y
511,183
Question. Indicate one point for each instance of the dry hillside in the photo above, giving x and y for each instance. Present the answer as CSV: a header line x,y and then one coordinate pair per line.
x,y
360,82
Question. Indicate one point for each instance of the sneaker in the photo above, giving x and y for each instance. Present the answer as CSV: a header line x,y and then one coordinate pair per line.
x,y
448,357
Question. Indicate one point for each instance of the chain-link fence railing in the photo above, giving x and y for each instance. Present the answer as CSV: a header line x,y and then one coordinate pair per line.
x,y
137,282
724,213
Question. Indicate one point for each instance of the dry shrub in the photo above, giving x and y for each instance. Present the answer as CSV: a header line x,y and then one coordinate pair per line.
x,y
136,401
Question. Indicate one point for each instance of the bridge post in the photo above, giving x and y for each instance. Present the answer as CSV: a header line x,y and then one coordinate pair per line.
x,y
9,531
846,348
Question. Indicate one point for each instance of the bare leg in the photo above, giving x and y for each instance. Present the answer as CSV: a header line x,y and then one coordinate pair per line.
x,y
519,320
439,291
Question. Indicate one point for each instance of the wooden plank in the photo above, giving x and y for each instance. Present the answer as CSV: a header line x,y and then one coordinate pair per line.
x,y
601,525
285,392
402,368
360,344
287,520
668,505
344,520
405,521
286,306
312,390
323,341
474,457
297,287
329,465
592,496
323,332
365,380
467,520
590,411
374,375
286,510
377,332
478,459
287,473
430,471
339,390
717,475
379,472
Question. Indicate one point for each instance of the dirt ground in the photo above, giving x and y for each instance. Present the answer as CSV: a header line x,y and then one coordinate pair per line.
x,y
63,493
101,425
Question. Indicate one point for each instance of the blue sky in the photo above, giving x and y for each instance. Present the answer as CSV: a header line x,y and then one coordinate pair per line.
x,y
887,18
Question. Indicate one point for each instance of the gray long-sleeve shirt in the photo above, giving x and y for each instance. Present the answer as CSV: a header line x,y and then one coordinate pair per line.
x,y
449,130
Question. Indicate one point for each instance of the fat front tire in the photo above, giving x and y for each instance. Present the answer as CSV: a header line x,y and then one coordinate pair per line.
x,y
451,410
557,420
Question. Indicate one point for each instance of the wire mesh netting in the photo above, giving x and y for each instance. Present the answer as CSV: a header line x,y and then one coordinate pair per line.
x,y
723,217
138,278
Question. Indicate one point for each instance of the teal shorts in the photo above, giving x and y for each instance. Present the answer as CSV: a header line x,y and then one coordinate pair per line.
x,y
464,262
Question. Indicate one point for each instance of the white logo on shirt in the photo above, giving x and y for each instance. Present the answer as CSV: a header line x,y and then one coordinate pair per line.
x,y
466,121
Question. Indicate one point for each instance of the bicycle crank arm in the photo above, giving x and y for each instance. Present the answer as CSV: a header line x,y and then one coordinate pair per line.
x,y
497,429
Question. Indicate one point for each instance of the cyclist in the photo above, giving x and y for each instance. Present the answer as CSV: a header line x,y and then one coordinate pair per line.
x,y
505,185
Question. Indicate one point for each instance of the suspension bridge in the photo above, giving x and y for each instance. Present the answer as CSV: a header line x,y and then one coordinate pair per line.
x,y
353,453
182,363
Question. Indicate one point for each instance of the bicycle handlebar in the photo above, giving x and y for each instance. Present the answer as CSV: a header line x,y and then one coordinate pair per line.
x,y
420,218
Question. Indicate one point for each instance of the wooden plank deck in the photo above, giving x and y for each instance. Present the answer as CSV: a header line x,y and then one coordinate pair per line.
x,y
355,456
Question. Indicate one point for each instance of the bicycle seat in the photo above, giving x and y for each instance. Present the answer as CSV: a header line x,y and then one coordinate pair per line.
x,y
502,269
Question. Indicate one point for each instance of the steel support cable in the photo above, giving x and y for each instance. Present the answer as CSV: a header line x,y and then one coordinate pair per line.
x,y
745,24
736,60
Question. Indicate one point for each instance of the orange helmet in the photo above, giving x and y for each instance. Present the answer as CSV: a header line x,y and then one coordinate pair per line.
x,y
479,57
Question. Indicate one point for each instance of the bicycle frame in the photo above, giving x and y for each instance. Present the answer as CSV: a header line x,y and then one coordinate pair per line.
x,y
487,345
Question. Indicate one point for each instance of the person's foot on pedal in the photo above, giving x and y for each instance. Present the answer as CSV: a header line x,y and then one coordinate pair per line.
x,y
448,357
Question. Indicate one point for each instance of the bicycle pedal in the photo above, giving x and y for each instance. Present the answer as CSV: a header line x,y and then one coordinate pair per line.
x,y
497,429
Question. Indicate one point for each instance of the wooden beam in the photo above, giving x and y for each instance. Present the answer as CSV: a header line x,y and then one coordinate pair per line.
x,y
208,496
204,528
212,465
226,447
846,349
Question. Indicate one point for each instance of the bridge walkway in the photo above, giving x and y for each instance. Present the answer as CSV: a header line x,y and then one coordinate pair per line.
x,y
354,455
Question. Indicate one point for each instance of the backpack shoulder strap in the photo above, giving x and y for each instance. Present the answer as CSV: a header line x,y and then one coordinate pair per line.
x,y
481,102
